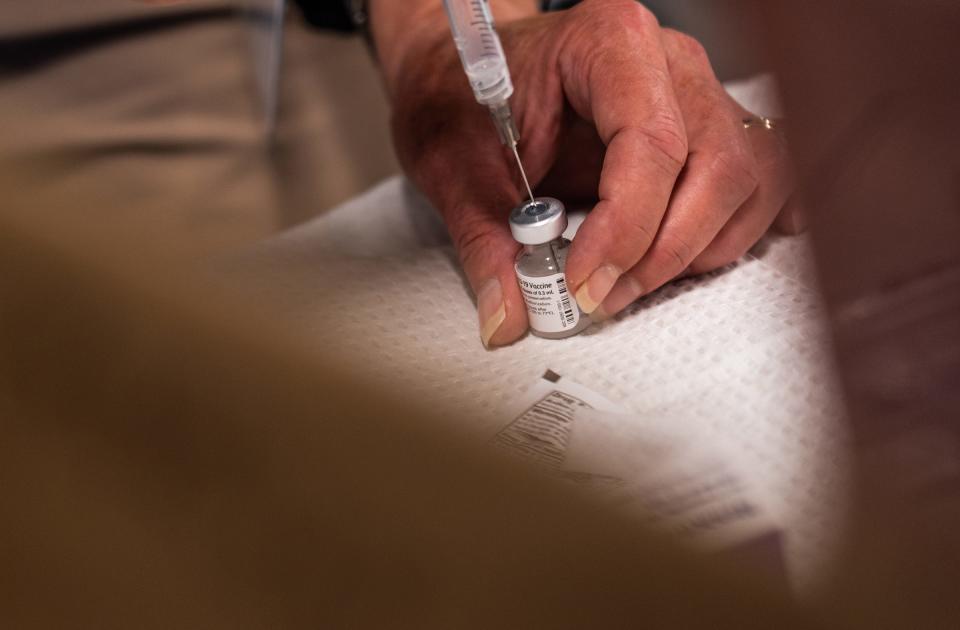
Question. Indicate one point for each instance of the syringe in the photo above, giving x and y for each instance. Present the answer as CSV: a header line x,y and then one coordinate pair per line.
x,y
486,66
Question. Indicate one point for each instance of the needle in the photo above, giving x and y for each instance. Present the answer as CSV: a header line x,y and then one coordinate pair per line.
x,y
523,173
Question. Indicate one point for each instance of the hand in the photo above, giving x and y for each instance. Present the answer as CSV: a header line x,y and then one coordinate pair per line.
x,y
734,184
633,110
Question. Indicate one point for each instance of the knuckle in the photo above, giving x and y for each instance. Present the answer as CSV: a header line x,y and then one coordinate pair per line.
x,y
635,14
738,169
689,47
621,8
611,17
676,251
668,141
639,232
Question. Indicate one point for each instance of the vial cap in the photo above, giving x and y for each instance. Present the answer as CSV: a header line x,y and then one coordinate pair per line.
x,y
538,221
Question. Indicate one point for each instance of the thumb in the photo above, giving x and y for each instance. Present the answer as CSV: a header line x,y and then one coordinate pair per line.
x,y
487,252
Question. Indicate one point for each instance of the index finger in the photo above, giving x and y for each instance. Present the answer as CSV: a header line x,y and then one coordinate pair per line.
x,y
625,88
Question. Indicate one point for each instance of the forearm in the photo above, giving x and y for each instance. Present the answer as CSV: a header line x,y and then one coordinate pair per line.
x,y
397,27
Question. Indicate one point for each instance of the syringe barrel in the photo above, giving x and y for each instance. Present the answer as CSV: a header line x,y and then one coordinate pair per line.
x,y
480,51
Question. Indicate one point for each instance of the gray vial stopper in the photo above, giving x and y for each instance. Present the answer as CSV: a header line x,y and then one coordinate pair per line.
x,y
538,221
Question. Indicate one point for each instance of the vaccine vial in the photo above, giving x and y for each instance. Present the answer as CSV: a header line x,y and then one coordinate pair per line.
x,y
551,309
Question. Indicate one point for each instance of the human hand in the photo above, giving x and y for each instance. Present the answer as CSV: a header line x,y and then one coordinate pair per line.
x,y
631,110
734,184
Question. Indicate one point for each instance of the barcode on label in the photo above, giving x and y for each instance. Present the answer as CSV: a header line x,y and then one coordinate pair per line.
x,y
565,301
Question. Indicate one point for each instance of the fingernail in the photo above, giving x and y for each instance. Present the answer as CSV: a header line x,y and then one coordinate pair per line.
x,y
795,218
623,293
798,220
592,292
599,315
490,309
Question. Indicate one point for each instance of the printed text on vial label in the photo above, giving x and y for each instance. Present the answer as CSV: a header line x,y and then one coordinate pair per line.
x,y
549,305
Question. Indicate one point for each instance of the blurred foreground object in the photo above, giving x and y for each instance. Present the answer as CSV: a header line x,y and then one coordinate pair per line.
x,y
172,458
872,91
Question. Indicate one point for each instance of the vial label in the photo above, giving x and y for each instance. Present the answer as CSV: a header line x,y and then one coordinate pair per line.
x,y
549,305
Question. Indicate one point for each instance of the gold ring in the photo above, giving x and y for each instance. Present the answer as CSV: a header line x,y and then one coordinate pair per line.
x,y
761,121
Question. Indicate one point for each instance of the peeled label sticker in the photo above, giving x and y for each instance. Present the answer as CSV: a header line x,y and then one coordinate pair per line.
x,y
549,305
